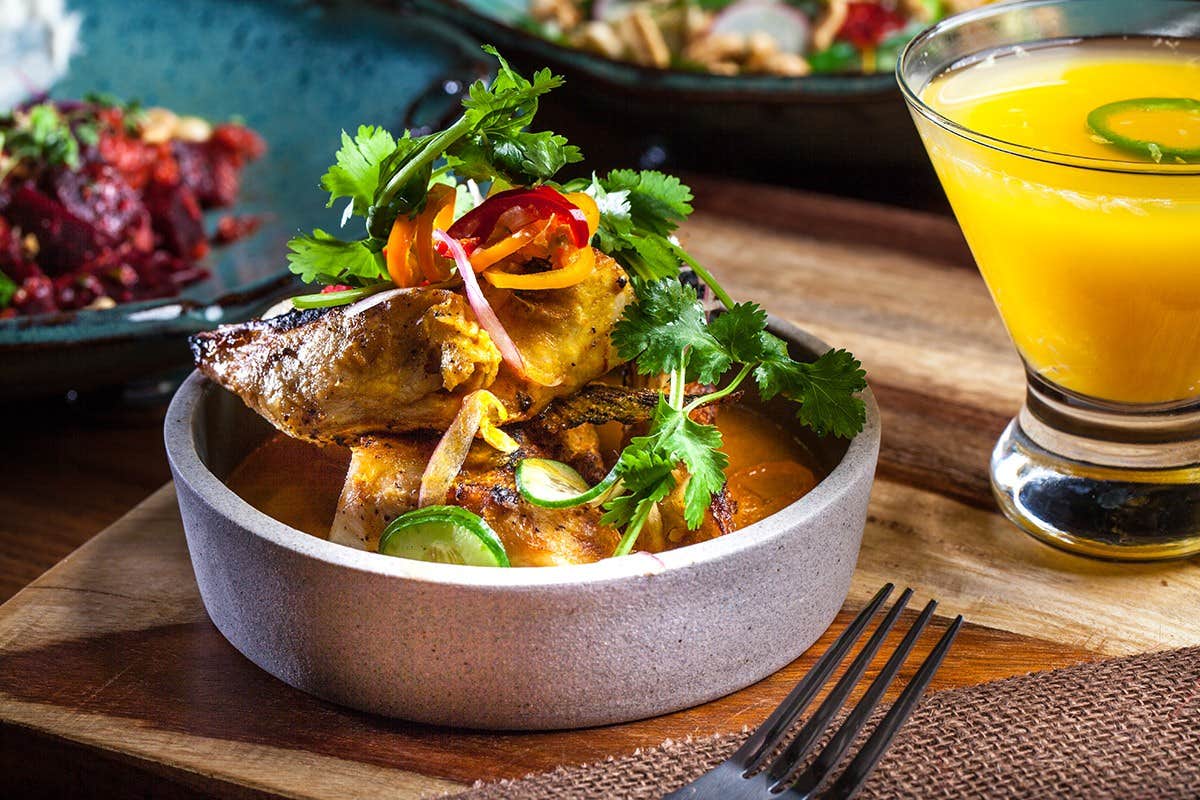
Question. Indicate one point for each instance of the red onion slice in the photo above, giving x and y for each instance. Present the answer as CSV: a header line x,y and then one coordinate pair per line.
x,y
479,304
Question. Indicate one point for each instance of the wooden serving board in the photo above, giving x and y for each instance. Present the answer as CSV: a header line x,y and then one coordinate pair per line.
x,y
113,682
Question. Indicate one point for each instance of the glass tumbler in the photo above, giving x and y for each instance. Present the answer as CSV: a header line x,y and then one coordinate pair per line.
x,y
1094,265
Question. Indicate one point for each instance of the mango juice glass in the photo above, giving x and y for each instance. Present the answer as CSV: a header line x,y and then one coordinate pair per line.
x,y
1093,261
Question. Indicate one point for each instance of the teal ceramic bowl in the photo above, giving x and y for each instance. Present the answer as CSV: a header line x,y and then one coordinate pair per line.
x,y
297,72
853,120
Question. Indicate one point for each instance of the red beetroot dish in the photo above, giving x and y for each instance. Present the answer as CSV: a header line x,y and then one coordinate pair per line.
x,y
101,204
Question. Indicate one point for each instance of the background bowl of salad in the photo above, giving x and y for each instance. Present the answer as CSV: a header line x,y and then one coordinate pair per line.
x,y
765,88
95,293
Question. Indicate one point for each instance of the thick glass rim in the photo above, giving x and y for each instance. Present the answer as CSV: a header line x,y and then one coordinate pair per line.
x,y
914,101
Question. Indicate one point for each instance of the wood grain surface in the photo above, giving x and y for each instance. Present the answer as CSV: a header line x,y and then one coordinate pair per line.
x,y
113,682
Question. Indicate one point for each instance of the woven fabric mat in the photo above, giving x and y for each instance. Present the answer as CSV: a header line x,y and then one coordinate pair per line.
x,y
1127,728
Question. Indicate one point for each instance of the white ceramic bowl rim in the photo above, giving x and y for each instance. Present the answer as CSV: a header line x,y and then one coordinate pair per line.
x,y
184,457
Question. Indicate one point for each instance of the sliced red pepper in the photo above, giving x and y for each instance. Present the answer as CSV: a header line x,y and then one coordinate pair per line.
x,y
867,24
478,224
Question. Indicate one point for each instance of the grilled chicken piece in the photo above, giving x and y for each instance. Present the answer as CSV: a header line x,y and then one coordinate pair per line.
x,y
564,336
396,360
385,476
598,403
403,360
579,446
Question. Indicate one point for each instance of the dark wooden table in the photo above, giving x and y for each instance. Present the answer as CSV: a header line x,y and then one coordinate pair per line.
x,y
67,471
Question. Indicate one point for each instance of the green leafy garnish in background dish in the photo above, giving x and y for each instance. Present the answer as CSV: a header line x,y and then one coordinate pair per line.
x,y
41,134
8,288
665,332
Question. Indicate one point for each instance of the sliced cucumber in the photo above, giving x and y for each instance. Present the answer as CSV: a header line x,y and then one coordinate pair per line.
x,y
344,297
553,484
1103,122
443,534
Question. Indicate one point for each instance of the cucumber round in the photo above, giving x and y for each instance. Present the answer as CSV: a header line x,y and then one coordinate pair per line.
x,y
553,484
443,534
1100,121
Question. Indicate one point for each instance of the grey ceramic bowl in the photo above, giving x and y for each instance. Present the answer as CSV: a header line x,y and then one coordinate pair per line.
x,y
526,649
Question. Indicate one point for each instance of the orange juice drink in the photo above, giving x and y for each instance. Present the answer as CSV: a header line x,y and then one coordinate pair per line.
x,y
1066,134
1094,266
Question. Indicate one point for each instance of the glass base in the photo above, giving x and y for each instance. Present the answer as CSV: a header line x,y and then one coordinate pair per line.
x,y
1106,482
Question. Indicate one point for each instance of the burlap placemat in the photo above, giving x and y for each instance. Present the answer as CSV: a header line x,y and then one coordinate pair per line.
x,y
1127,728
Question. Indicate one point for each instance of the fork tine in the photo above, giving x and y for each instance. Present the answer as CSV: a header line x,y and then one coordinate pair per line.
x,y
808,735
814,775
862,764
766,737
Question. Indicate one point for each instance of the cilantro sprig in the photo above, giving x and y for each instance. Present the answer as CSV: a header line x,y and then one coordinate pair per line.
x,y
382,177
666,331
639,214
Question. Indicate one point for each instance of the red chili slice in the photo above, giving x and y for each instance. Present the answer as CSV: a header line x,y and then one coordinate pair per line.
x,y
477,225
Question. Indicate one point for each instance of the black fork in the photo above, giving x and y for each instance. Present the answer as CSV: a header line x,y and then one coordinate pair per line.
x,y
752,773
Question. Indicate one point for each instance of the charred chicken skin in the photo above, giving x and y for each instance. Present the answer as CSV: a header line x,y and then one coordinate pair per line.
x,y
384,480
403,360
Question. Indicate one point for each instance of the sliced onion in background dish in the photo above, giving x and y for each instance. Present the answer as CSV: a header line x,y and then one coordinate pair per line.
x,y
788,26
609,10
479,304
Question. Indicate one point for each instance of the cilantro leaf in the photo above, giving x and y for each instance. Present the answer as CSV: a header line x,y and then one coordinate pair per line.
x,y
647,477
698,447
525,157
657,202
657,331
510,102
356,173
825,389
616,220
330,260
638,212
519,158
741,331
647,469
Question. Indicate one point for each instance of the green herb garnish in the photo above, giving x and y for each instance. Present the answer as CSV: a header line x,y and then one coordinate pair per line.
x,y
8,287
40,134
384,178
666,332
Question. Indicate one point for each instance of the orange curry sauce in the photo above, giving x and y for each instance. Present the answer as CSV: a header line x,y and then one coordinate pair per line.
x,y
298,483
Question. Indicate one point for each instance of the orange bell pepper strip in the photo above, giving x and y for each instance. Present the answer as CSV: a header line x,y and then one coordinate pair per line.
x,y
438,214
486,257
396,252
584,202
579,264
